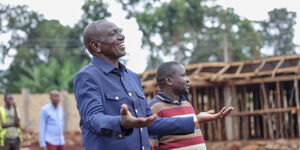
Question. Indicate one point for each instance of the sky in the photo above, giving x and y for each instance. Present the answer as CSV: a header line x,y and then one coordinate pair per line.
x,y
68,13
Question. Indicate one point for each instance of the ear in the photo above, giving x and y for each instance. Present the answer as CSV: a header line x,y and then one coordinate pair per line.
x,y
95,46
168,81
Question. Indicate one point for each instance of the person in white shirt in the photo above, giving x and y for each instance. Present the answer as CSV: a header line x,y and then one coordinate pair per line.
x,y
51,124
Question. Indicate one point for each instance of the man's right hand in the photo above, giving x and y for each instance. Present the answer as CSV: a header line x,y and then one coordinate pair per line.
x,y
128,121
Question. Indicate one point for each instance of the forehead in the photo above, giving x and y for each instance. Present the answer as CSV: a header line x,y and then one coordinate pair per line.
x,y
178,69
106,27
54,93
9,96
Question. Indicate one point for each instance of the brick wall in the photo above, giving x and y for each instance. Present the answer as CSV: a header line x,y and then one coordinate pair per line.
x,y
29,106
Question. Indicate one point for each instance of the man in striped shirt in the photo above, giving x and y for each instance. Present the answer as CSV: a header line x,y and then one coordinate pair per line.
x,y
171,101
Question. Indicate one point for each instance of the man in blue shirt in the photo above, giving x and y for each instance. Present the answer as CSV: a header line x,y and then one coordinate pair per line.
x,y
114,114
51,124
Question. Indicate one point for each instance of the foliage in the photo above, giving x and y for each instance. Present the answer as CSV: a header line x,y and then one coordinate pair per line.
x,y
278,31
47,53
92,10
48,76
16,21
192,31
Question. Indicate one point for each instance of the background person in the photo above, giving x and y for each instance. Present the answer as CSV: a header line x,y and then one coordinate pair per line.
x,y
10,134
171,101
51,124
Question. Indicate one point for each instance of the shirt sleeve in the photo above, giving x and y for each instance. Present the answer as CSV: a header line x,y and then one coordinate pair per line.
x,y
42,128
172,126
89,104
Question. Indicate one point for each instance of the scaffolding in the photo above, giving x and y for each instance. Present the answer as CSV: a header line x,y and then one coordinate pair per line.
x,y
265,94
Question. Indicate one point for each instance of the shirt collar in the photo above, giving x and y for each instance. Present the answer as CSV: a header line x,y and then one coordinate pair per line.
x,y
166,99
105,66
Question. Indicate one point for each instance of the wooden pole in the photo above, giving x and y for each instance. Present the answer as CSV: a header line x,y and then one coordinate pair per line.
x,y
266,106
65,102
218,122
26,104
297,104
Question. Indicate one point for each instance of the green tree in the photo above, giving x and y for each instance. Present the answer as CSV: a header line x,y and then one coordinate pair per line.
x,y
278,31
192,31
92,10
48,76
17,21
49,39
168,29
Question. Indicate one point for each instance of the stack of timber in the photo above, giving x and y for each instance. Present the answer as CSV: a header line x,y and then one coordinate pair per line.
x,y
264,92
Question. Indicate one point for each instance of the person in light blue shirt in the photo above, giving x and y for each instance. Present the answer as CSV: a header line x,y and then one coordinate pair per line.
x,y
51,124
114,114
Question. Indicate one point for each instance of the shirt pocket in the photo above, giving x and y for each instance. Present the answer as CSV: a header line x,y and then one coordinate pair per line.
x,y
142,102
113,102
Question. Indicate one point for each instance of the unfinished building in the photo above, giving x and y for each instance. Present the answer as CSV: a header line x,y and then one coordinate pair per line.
x,y
265,94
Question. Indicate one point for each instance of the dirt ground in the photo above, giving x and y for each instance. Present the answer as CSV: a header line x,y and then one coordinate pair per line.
x,y
73,142
30,140
278,144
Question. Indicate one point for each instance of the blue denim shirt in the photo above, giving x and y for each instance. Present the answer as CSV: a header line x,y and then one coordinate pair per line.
x,y
100,89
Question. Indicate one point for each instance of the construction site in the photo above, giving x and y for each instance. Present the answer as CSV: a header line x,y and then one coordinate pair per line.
x,y
265,94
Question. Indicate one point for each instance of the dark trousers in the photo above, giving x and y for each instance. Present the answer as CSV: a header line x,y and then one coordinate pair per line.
x,y
54,147
11,144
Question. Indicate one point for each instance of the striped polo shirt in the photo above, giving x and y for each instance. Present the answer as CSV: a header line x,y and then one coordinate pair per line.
x,y
166,107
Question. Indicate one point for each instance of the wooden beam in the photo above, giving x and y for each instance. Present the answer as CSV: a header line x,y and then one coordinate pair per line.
x,y
215,76
240,68
277,66
266,106
296,86
278,105
293,110
266,80
260,66
298,67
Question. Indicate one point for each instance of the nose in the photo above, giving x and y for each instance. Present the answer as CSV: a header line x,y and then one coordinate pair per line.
x,y
187,79
121,37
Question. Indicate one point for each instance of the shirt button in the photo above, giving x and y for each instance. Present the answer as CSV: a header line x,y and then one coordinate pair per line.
x,y
136,111
120,135
117,97
141,129
143,147
129,94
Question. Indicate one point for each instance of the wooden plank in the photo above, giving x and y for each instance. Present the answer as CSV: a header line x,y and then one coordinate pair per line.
x,y
195,99
278,103
266,111
264,117
225,68
245,119
298,67
238,71
211,126
277,66
218,123
236,121
296,86
266,80
260,66
286,115
197,71
266,106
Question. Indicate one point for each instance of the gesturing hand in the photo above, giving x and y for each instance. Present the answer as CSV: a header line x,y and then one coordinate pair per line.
x,y
211,115
128,121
